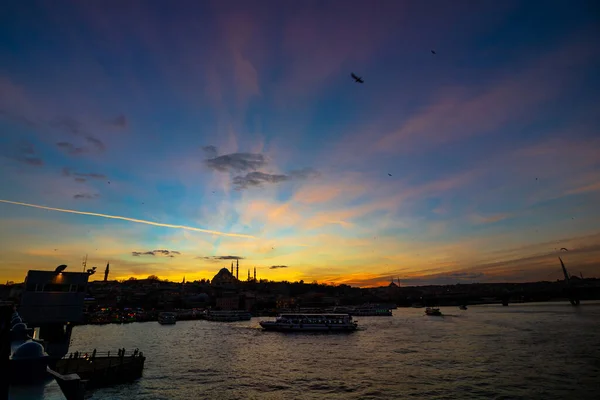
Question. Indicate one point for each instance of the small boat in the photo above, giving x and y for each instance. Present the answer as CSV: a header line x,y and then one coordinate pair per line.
x,y
463,307
433,311
311,322
167,318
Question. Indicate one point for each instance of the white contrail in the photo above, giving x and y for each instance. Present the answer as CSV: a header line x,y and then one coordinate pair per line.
x,y
139,221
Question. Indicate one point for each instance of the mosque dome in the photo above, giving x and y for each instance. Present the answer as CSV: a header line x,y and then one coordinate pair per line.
x,y
224,276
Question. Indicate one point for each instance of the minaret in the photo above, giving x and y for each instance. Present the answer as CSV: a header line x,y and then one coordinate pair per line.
x,y
106,271
183,282
232,268
254,274
248,274
237,269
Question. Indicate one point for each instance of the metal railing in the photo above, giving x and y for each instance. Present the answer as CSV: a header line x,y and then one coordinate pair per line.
x,y
91,355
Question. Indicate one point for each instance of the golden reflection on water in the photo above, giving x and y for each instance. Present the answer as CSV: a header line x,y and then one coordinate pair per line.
x,y
546,351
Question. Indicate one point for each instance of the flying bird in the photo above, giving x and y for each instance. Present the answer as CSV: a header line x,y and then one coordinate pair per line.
x,y
433,52
357,79
564,248
389,174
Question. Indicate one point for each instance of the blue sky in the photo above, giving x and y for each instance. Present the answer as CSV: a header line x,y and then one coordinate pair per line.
x,y
475,163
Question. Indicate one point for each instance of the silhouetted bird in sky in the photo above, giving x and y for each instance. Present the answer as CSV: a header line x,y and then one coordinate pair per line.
x,y
564,248
357,79
389,174
432,51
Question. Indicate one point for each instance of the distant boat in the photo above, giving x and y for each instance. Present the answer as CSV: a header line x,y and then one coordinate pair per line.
x,y
311,322
365,311
433,311
462,307
228,315
167,318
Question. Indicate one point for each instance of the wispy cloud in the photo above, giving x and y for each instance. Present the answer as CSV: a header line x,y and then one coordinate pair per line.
x,y
210,151
70,148
26,154
80,176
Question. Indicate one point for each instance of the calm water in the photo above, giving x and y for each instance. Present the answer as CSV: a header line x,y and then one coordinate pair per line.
x,y
534,351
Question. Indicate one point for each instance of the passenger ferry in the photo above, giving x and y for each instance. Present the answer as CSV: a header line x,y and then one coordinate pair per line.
x,y
311,322
228,315
167,318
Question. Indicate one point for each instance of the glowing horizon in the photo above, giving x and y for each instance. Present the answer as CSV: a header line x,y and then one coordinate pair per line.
x,y
249,138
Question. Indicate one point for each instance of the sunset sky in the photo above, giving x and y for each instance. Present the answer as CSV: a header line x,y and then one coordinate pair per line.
x,y
218,130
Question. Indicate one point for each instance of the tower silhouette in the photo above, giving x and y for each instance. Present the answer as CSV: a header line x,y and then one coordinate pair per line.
x,y
106,271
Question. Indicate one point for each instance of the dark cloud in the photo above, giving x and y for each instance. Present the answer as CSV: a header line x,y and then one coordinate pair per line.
x,y
160,252
278,266
82,177
210,151
120,122
88,196
70,148
242,162
215,258
236,162
257,178
96,142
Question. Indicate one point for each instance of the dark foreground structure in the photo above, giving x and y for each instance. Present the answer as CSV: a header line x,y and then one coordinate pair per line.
x,y
35,341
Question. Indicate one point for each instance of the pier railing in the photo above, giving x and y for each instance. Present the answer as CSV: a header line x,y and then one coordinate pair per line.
x,y
91,355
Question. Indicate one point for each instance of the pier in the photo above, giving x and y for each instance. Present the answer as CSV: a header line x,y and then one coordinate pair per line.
x,y
103,369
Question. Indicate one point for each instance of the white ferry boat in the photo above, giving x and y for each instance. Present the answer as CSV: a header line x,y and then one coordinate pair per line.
x,y
228,315
311,322
167,318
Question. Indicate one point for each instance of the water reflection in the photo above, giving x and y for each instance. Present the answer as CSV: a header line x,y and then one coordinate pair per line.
x,y
523,351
